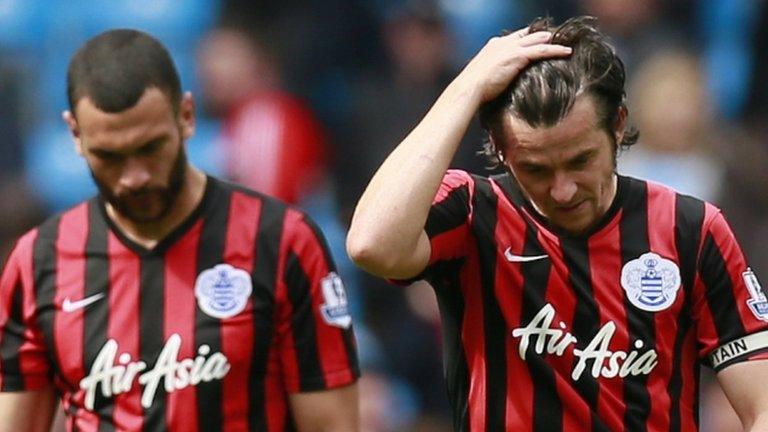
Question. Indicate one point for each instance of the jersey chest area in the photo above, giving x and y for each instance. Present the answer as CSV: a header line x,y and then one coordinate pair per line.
x,y
598,306
153,323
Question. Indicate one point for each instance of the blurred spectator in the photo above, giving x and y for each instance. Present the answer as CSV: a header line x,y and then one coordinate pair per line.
x,y
669,104
638,27
386,104
272,142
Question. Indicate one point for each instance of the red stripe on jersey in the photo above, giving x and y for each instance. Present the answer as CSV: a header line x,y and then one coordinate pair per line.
x,y
689,395
123,327
605,271
274,395
736,264
455,179
519,407
70,285
332,351
473,340
576,413
237,338
705,323
290,366
661,239
33,363
179,312
451,240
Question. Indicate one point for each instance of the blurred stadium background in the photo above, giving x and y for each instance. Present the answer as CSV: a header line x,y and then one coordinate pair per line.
x,y
303,99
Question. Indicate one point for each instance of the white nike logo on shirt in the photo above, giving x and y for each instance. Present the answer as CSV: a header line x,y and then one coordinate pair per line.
x,y
522,258
71,306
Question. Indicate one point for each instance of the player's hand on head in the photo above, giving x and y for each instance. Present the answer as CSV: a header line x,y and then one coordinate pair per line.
x,y
503,57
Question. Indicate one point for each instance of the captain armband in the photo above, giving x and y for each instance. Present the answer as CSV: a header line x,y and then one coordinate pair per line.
x,y
737,350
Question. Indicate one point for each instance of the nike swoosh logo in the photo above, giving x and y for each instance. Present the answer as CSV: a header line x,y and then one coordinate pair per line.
x,y
522,258
71,306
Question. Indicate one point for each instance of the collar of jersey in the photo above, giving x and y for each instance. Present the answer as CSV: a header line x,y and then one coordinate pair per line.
x,y
514,194
175,233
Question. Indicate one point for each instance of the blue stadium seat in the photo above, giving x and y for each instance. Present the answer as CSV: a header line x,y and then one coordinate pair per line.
x,y
23,25
54,170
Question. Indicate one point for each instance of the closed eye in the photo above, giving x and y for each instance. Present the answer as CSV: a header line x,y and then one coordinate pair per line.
x,y
581,160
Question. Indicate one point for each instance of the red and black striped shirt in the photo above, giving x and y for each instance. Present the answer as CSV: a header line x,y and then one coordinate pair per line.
x,y
210,330
547,331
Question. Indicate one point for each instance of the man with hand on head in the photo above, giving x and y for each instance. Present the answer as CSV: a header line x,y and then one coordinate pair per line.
x,y
172,300
572,298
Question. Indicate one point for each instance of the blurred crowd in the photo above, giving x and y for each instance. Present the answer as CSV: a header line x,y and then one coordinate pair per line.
x,y
303,100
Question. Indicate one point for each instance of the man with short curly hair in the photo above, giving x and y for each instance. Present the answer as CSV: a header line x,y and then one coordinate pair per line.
x,y
572,297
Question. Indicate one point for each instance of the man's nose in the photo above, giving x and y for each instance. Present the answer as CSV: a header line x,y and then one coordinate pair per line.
x,y
563,188
135,174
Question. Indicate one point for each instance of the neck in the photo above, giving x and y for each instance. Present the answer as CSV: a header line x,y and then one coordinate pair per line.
x,y
148,234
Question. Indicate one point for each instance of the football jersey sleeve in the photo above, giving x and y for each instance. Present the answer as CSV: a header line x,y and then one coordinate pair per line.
x,y
314,326
730,305
448,222
23,359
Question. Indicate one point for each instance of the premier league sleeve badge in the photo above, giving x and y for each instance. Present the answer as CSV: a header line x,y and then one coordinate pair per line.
x,y
758,303
335,310
651,282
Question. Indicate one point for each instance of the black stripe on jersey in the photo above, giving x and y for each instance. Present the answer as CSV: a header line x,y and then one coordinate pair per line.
x,y
210,252
719,292
451,304
151,331
44,263
512,189
494,327
449,213
547,407
303,325
633,229
264,276
11,342
96,315
586,319
689,217
348,333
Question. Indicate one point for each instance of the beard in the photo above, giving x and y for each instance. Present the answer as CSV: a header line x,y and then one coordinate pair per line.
x,y
163,196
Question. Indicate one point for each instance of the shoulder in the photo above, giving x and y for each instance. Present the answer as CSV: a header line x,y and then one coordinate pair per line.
x,y
272,213
690,212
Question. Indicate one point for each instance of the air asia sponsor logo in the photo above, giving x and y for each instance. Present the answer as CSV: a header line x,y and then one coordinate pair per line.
x,y
596,357
113,377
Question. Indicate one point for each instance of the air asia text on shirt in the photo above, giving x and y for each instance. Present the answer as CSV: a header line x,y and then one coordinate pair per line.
x,y
556,341
178,374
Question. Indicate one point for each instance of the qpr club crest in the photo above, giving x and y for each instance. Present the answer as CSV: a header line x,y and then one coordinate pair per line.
x,y
335,310
651,282
223,291
758,303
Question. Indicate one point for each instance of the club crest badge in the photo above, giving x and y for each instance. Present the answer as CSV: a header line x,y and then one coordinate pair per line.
x,y
651,282
223,291
335,310
758,303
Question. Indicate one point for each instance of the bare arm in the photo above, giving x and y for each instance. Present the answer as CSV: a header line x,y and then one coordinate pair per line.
x,y
29,411
744,384
387,235
333,410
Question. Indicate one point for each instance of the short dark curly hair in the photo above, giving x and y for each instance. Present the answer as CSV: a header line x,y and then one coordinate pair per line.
x,y
544,91
114,68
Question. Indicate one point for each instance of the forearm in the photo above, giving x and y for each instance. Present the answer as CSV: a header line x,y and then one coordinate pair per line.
x,y
27,411
760,424
390,216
